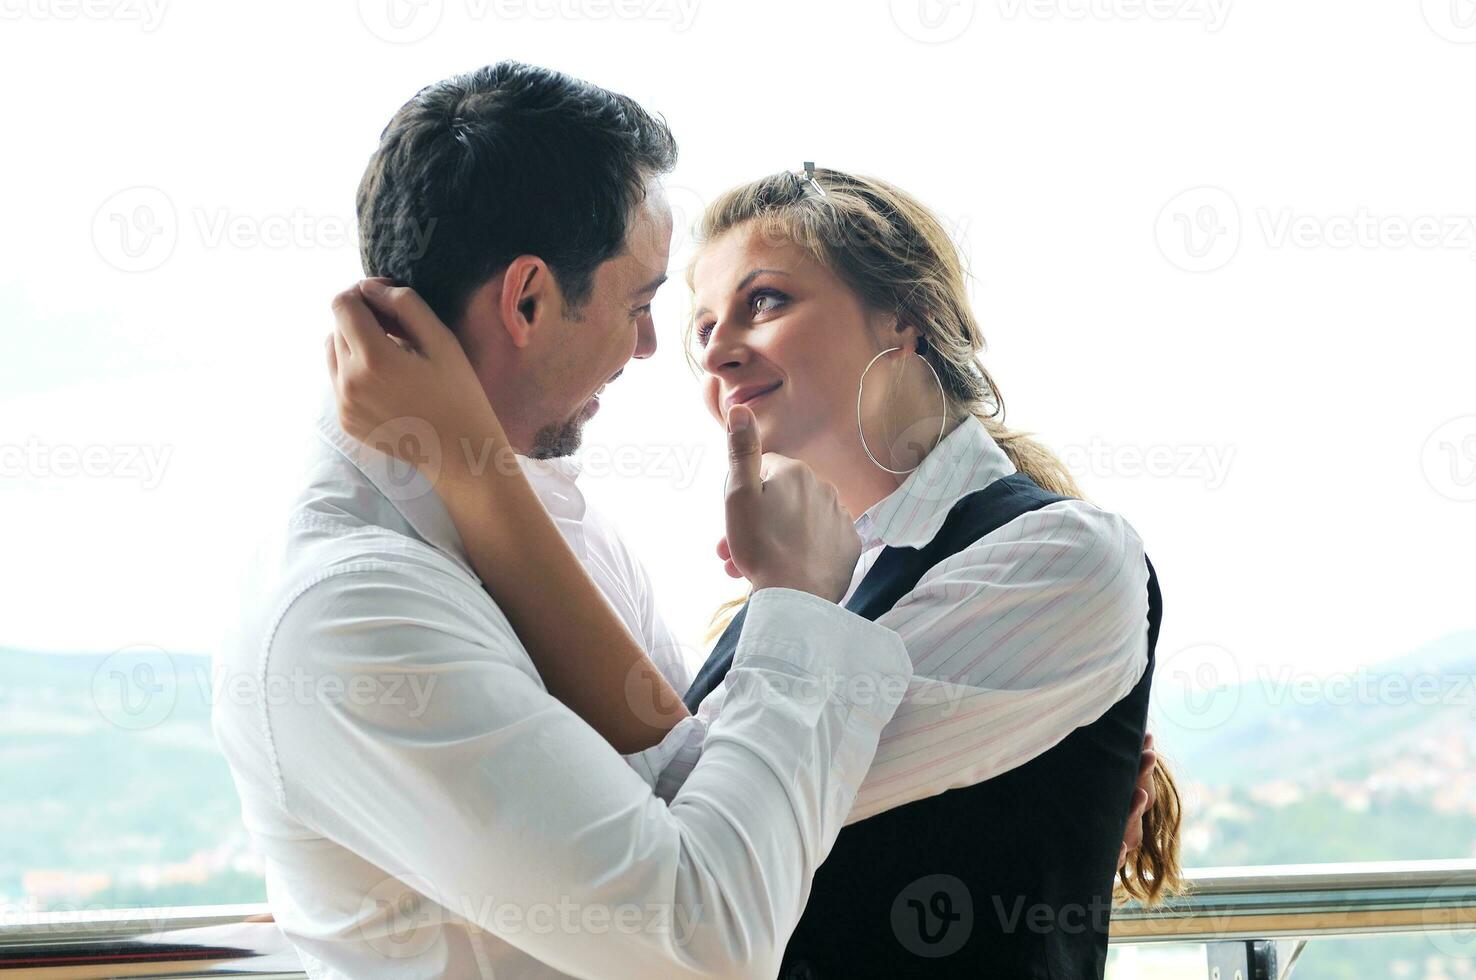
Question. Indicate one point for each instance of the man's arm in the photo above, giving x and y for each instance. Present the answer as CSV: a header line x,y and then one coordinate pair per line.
x,y
1011,668
496,795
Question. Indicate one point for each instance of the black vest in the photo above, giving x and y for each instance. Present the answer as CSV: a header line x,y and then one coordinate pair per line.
x,y
1010,878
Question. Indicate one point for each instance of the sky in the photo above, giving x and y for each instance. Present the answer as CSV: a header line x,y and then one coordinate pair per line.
x,y
1223,252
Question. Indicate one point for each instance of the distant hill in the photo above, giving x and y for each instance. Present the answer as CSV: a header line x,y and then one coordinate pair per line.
x,y
1269,731
88,788
86,794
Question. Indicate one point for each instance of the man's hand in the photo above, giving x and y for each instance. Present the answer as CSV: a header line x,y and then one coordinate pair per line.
x,y
1143,798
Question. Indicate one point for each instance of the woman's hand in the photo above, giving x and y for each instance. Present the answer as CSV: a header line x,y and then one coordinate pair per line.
x,y
786,529
402,380
1143,797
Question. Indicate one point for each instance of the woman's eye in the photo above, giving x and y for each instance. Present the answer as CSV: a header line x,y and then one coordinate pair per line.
x,y
758,299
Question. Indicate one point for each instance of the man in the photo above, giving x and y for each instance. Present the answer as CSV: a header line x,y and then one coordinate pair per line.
x,y
424,806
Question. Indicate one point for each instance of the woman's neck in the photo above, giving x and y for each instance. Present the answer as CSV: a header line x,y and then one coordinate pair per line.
x,y
860,483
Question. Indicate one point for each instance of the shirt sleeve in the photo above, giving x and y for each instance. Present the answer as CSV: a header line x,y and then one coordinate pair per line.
x,y
666,765
488,791
1016,641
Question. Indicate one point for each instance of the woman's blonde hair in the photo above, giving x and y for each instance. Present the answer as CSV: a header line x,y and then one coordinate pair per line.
x,y
896,256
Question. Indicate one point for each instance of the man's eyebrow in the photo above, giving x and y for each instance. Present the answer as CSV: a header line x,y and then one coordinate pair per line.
x,y
649,287
744,284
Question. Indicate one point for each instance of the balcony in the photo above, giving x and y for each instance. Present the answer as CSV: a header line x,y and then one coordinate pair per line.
x,y
1251,923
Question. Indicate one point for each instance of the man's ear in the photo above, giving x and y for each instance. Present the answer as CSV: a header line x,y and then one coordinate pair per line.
x,y
527,295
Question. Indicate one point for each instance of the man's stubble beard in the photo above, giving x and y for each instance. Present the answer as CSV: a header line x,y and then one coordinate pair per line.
x,y
558,439
561,438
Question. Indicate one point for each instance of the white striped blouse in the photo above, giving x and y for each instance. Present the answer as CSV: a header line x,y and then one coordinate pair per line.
x,y
1031,632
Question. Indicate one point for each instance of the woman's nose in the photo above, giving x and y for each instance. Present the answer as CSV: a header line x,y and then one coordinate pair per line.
x,y
724,349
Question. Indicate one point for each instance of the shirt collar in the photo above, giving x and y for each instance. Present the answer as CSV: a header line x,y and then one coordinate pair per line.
x,y
555,482
968,459
410,493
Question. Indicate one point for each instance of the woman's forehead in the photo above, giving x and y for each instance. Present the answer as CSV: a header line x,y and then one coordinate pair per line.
x,y
723,262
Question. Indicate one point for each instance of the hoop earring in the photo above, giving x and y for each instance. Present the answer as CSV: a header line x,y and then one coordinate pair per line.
x,y
942,403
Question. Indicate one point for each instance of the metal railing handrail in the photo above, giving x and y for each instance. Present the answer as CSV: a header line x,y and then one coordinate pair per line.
x,y
1224,904
1307,901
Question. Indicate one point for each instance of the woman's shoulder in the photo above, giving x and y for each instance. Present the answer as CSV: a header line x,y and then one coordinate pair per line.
x,y
1072,523
1072,570
1067,545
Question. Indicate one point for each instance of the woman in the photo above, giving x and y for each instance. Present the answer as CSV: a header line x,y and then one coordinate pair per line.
x,y
832,316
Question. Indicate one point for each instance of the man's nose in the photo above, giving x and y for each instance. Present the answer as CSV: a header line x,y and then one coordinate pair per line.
x,y
645,338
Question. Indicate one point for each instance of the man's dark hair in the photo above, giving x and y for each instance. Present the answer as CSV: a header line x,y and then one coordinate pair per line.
x,y
507,160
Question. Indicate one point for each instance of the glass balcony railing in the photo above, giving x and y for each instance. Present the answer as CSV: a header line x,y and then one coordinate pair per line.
x,y
1249,923
1255,922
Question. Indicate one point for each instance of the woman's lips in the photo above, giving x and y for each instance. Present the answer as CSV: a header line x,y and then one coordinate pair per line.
x,y
745,396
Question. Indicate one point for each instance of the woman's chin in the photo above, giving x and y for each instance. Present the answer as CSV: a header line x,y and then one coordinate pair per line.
x,y
774,434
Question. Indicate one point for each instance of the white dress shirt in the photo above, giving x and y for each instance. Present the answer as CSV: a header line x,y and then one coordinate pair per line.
x,y
1017,640
425,808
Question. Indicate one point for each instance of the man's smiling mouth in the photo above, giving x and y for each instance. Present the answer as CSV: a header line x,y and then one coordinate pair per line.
x,y
593,404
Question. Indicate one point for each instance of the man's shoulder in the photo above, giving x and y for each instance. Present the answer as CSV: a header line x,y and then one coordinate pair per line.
x,y
319,542
326,564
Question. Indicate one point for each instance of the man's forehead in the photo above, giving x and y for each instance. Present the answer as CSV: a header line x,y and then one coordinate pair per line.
x,y
634,272
647,241
652,216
